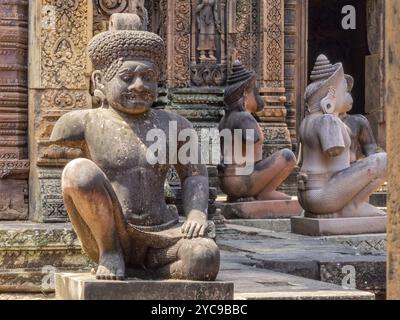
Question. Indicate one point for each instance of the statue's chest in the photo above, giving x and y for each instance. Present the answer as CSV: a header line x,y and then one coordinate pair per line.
x,y
115,144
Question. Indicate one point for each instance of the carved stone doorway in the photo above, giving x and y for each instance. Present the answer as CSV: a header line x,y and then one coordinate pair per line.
x,y
327,35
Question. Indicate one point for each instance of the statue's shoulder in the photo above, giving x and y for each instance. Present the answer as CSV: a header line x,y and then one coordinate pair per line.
x,y
71,126
75,116
167,116
245,120
328,119
360,119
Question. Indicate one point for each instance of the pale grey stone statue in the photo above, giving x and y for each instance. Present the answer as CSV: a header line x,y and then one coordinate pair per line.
x,y
329,186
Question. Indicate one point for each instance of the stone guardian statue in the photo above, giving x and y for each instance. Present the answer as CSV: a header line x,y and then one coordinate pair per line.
x,y
114,196
329,186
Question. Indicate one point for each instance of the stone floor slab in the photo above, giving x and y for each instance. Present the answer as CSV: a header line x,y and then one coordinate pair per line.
x,y
84,286
276,225
338,226
260,209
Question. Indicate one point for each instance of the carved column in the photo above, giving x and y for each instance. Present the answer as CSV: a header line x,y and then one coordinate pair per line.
x,y
14,163
272,74
374,70
392,84
291,60
178,43
58,83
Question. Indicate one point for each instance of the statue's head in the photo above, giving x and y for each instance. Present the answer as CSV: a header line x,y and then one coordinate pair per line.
x,y
127,64
242,92
330,89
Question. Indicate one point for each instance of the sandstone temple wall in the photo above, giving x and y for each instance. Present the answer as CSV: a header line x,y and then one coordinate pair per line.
x,y
14,163
59,80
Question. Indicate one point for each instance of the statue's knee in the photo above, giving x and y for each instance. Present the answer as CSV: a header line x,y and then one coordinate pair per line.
x,y
382,164
379,164
202,259
288,155
81,174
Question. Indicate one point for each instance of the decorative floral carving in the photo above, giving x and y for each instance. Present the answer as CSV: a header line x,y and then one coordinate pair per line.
x,y
63,48
181,53
65,100
109,7
208,74
273,44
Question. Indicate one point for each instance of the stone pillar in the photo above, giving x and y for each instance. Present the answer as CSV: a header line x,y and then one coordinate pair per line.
x,y
59,79
392,70
291,60
178,43
374,70
14,163
272,85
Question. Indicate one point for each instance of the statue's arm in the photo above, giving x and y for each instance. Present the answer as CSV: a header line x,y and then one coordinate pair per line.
x,y
194,181
366,137
329,131
216,14
69,130
199,7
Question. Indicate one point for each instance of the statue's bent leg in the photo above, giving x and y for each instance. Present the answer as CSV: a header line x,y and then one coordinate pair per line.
x,y
270,173
94,212
189,259
346,192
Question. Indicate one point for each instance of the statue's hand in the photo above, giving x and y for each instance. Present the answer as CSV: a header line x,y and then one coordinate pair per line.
x,y
195,225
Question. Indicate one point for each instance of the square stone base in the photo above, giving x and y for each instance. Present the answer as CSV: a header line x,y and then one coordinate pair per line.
x,y
278,209
84,286
338,226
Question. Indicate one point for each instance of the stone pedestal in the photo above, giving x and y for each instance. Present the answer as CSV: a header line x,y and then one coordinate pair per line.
x,y
260,209
84,286
338,226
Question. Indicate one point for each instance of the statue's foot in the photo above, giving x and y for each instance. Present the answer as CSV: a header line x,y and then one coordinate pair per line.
x,y
111,267
273,195
361,210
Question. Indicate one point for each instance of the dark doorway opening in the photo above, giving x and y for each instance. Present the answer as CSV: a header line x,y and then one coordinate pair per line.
x,y
326,35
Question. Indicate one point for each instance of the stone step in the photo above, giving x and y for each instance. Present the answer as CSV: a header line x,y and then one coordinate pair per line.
x,y
257,284
276,225
327,259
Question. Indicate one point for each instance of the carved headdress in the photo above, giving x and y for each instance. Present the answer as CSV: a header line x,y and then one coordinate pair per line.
x,y
123,41
324,77
238,82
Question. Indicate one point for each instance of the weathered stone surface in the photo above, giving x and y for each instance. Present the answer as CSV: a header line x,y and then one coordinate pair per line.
x,y
71,286
338,226
247,256
14,163
113,193
305,256
364,244
331,183
276,225
392,98
31,253
261,284
59,81
13,199
278,209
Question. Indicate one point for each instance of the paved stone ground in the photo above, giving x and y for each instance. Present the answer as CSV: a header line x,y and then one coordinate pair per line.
x,y
277,265
327,259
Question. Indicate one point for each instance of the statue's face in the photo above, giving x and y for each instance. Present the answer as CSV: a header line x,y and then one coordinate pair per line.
x,y
133,89
344,100
252,99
